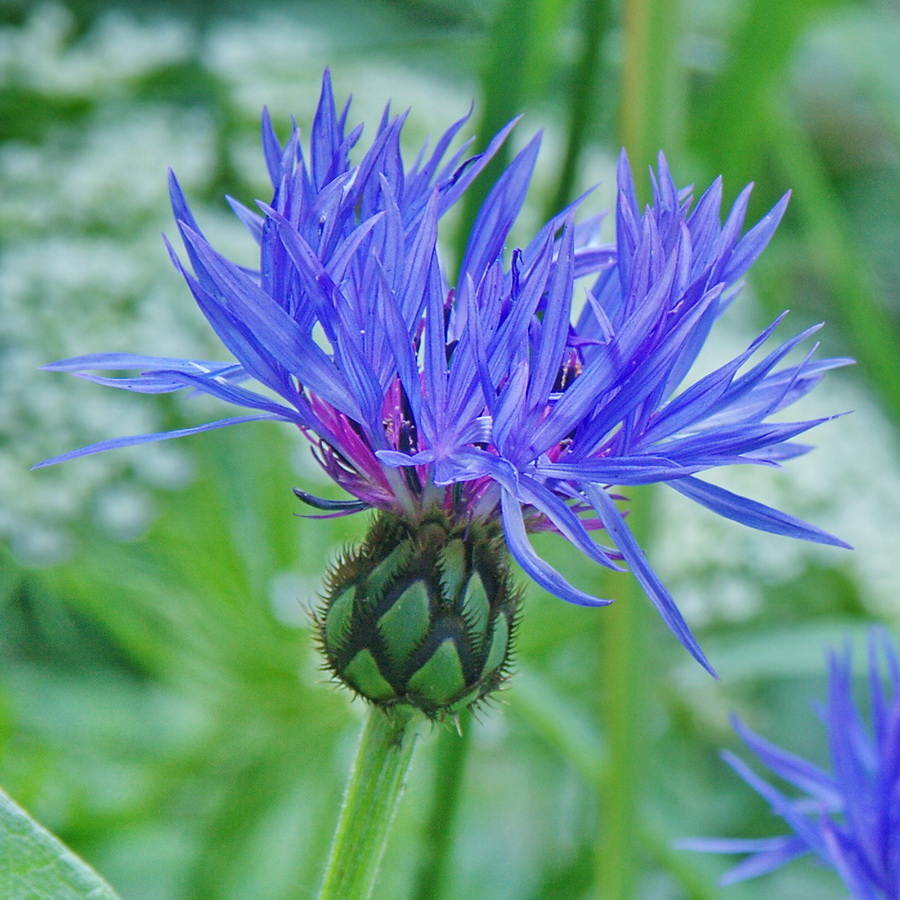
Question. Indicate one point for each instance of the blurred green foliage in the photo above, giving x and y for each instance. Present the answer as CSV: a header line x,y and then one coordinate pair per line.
x,y
161,707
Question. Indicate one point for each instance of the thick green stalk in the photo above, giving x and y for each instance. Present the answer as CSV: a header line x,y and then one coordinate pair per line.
x,y
652,95
376,784
624,676
449,771
651,98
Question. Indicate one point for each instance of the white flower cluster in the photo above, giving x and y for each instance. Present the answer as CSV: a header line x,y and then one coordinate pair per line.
x,y
82,267
42,55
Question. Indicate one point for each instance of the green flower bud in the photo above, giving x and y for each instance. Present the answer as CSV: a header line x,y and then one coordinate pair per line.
x,y
421,614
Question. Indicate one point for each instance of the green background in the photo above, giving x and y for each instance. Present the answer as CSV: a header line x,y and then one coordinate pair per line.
x,y
161,706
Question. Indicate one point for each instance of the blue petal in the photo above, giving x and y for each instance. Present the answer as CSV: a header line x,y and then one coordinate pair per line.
x,y
167,381
239,338
703,222
734,440
754,242
273,328
620,533
847,861
733,845
499,211
326,136
767,853
509,407
251,220
751,512
695,402
461,179
723,246
621,470
121,361
555,324
790,767
532,493
780,804
271,148
536,568
133,440
766,861
419,177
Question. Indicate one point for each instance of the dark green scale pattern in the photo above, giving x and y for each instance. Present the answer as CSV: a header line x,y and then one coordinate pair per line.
x,y
421,614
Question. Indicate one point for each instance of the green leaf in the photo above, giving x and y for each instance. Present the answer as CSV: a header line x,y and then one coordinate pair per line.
x,y
35,864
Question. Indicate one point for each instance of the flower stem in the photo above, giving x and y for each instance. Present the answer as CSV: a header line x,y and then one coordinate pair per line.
x,y
376,783
620,804
652,88
651,96
624,674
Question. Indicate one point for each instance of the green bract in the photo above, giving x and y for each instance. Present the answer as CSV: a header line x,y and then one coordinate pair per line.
x,y
421,614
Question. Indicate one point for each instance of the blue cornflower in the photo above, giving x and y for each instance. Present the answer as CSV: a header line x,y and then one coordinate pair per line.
x,y
494,400
850,818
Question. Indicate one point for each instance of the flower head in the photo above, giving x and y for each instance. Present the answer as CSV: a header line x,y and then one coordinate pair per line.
x,y
849,818
500,397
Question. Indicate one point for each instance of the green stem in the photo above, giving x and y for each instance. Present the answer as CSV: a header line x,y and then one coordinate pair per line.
x,y
624,678
376,784
651,95
652,91
449,770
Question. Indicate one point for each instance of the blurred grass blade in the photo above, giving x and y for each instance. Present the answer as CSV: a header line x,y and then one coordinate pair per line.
x,y
863,314
33,863
625,673
651,98
586,95
730,129
559,721
777,654
690,877
517,61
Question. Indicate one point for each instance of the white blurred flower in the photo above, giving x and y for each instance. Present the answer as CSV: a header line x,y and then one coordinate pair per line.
x,y
44,55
